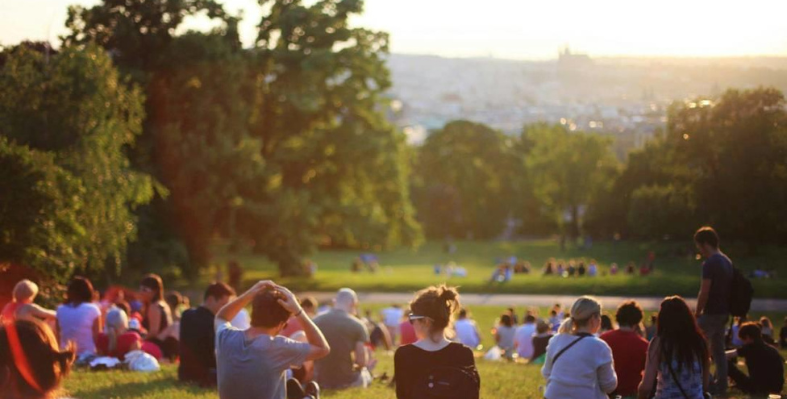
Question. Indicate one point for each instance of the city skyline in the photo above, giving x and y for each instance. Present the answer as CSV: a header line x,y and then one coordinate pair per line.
x,y
505,28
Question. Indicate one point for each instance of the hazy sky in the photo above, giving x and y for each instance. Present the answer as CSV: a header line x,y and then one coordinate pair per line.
x,y
522,29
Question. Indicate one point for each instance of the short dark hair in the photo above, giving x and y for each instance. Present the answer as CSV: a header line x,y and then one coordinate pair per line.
x,y
266,310
629,313
606,322
706,235
529,318
309,302
750,330
462,313
173,299
506,320
218,290
80,290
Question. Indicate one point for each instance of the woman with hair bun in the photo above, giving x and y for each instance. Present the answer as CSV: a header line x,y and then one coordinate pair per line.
x,y
31,365
578,364
434,366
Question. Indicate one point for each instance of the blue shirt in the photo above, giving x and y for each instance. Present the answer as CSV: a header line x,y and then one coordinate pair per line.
x,y
718,269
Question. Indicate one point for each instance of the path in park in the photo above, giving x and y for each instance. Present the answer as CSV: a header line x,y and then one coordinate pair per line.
x,y
516,300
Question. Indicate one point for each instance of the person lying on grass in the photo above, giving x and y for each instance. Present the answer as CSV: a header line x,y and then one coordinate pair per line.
x,y
252,363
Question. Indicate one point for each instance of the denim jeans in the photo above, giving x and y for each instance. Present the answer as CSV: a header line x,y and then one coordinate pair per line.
x,y
715,327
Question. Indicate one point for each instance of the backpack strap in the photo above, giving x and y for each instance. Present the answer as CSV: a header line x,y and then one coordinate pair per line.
x,y
567,347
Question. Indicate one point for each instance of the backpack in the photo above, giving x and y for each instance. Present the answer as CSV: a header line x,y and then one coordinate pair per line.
x,y
448,383
741,293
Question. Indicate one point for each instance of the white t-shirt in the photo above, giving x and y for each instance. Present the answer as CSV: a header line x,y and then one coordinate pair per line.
x,y
242,320
76,325
524,340
584,371
392,316
466,332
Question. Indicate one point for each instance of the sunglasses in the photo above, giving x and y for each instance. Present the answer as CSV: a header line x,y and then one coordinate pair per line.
x,y
412,318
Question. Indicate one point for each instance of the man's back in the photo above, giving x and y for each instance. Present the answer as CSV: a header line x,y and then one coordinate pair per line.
x,y
718,269
343,332
466,332
766,366
197,347
524,340
629,352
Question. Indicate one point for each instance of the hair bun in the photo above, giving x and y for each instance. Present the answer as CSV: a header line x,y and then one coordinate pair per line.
x,y
448,293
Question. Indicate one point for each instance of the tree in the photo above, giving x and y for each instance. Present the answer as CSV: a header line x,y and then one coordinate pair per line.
x,y
464,179
568,170
74,109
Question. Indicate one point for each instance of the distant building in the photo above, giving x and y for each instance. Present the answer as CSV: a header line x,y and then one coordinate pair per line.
x,y
573,61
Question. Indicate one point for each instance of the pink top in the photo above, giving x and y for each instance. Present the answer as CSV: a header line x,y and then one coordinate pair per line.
x,y
9,311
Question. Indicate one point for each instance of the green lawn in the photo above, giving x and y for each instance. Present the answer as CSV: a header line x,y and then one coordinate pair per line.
x,y
409,270
498,379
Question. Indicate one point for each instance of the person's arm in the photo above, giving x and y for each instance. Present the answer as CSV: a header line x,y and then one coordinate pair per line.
x,y
706,374
319,345
154,320
702,297
546,370
607,379
39,312
648,383
360,354
96,328
230,310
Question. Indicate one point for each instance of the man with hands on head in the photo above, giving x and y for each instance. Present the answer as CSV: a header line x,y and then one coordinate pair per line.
x,y
252,363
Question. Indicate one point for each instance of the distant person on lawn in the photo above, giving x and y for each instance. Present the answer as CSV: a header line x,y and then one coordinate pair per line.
x,y
629,349
765,364
713,301
198,337
79,320
252,363
346,366
541,341
466,330
435,367
578,365
523,338
22,305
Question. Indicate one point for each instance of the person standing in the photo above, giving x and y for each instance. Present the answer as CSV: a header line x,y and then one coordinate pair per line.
x,y
629,349
713,301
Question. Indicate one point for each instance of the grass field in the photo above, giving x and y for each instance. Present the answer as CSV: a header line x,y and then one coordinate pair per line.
x,y
498,379
409,270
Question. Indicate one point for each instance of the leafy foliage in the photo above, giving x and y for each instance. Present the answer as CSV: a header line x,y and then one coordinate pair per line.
x,y
77,118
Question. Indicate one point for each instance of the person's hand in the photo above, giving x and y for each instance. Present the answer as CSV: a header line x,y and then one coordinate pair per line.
x,y
289,303
262,285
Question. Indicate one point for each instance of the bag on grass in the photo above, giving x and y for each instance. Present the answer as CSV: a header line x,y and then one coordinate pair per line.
x,y
494,353
141,361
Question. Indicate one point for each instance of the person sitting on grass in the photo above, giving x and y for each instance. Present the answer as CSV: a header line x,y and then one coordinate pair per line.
x,y
783,335
117,340
31,365
434,366
198,338
629,349
504,335
466,330
157,315
252,363
22,305
765,364
579,365
541,341
678,362
348,338
79,320
523,338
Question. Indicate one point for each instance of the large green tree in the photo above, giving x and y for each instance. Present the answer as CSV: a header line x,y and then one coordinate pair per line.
x,y
70,118
464,181
567,171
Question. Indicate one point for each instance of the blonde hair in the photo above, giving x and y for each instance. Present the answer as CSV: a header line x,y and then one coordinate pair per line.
x,y
25,289
116,323
581,312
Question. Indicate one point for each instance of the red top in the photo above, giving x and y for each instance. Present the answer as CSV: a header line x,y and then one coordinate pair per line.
x,y
407,332
293,326
628,351
9,311
123,345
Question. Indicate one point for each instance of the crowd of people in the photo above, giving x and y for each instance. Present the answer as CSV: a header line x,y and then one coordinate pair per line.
x,y
506,269
291,348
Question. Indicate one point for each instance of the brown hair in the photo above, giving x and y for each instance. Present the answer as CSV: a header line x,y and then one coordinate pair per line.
x,y
436,303
154,282
266,310
46,364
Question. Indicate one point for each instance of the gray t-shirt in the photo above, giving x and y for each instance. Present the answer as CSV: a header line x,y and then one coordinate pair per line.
x,y
718,269
343,332
254,369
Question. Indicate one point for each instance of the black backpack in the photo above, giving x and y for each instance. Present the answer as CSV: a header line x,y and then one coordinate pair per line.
x,y
448,383
741,293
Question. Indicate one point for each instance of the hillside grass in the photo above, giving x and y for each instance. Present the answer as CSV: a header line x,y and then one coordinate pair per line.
x,y
404,270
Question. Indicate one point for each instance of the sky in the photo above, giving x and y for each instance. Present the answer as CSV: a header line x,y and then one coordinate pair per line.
x,y
513,29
